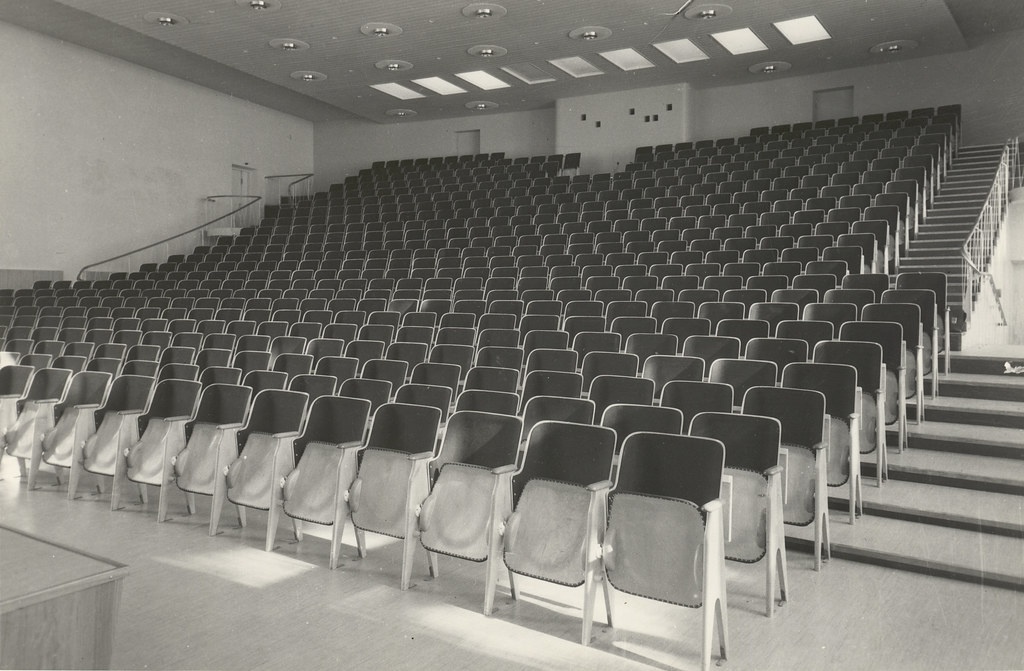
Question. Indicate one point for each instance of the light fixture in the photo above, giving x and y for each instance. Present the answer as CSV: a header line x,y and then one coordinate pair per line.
x,y
681,51
529,73
260,5
401,113
165,19
440,86
379,29
393,65
769,67
707,12
308,76
576,66
487,51
289,44
482,80
590,33
481,105
484,10
893,46
802,30
740,41
627,59
397,91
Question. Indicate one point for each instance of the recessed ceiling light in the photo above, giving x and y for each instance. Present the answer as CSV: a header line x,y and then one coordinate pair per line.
x,y
401,112
309,76
288,44
707,11
576,66
627,59
893,46
379,29
590,33
483,80
165,19
681,51
740,41
393,65
439,86
260,5
803,30
481,105
484,10
528,73
769,67
397,91
487,51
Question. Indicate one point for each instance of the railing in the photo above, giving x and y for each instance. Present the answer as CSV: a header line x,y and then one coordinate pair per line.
x,y
295,187
180,243
981,243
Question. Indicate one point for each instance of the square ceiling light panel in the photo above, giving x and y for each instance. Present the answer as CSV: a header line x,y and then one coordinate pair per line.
x,y
398,91
627,59
803,30
576,66
740,41
439,86
528,73
483,80
681,51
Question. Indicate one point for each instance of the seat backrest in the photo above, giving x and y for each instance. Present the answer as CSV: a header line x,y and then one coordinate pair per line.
x,y
437,396
275,411
556,408
838,382
866,357
405,428
172,398
751,442
481,439
14,380
800,412
673,466
628,418
567,452
742,374
334,420
693,398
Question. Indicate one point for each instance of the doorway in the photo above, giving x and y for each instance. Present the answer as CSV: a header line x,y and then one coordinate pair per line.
x,y
833,103
467,142
242,185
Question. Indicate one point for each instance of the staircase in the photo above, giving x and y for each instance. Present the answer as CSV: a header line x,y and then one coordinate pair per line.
x,y
951,217
953,506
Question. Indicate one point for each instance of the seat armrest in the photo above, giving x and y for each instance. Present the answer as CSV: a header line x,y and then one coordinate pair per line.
x,y
599,486
502,470
285,434
179,418
352,444
420,456
773,470
713,505
228,427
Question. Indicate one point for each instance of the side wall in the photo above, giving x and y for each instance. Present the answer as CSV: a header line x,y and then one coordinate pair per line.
x,y
985,79
101,156
344,147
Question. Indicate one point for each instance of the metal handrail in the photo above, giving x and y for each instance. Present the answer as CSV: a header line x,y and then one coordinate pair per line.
x,y
252,201
302,177
980,245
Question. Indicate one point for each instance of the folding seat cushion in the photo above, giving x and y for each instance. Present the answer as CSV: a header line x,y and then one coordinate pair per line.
x,y
560,498
327,460
212,444
471,496
14,384
23,438
117,429
162,429
671,482
754,496
393,476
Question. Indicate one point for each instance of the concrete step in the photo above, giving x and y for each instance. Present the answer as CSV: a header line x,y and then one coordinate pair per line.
x,y
978,385
959,554
988,364
988,512
973,411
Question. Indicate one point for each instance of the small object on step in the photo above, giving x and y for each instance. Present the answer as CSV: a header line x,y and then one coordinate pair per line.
x,y
1012,370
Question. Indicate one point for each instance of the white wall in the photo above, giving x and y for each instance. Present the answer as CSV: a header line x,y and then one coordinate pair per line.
x,y
344,147
659,115
101,156
986,80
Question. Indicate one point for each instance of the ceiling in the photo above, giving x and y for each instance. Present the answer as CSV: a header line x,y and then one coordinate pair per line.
x,y
225,44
